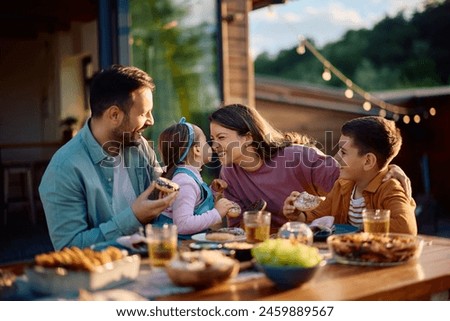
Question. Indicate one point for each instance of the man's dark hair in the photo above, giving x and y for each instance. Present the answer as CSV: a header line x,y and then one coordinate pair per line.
x,y
375,135
114,86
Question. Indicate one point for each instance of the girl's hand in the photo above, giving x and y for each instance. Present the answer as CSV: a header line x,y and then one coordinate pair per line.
x,y
223,205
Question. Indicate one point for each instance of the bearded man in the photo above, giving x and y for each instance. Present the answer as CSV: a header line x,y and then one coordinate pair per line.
x,y
96,187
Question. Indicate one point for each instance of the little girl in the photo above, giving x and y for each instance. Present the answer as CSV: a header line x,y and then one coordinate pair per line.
x,y
184,150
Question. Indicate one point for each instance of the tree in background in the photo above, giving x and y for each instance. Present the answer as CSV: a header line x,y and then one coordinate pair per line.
x,y
396,53
178,55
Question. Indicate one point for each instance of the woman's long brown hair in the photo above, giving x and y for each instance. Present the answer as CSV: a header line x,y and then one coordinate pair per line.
x,y
267,140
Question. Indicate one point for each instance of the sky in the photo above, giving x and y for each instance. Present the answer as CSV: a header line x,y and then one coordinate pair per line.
x,y
279,26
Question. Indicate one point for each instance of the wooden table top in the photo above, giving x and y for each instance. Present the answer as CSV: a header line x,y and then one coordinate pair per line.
x,y
415,280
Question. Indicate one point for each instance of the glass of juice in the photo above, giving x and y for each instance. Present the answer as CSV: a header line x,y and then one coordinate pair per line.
x,y
257,226
376,220
162,243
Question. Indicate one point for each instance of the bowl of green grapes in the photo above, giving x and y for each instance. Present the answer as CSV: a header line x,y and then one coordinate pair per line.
x,y
287,264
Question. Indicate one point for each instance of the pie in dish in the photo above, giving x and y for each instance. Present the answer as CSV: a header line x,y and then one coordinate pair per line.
x,y
374,248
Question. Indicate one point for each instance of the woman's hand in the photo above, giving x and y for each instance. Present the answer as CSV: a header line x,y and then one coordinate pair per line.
x,y
397,173
290,211
218,185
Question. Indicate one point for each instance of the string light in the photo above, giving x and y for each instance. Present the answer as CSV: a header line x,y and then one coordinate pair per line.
x,y
301,49
348,93
370,100
367,106
330,71
326,75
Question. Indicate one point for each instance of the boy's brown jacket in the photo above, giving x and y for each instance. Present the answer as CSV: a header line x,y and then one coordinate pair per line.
x,y
378,195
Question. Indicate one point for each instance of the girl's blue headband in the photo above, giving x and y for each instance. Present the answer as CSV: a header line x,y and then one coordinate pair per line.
x,y
190,139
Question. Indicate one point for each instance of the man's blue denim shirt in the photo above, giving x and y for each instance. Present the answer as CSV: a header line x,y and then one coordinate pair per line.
x,y
77,187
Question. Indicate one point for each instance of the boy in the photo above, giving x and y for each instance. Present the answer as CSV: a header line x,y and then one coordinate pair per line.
x,y
366,147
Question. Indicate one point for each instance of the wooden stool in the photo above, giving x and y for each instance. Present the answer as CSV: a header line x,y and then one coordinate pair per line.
x,y
19,168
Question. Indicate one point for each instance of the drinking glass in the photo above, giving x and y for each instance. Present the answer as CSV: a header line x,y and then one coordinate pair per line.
x,y
257,226
297,232
162,243
376,220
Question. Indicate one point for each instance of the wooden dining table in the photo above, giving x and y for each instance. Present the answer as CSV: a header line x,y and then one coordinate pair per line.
x,y
424,278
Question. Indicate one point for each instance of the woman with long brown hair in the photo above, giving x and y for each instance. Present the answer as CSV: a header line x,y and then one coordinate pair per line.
x,y
261,162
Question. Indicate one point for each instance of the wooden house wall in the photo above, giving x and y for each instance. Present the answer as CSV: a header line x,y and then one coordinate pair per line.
x,y
238,79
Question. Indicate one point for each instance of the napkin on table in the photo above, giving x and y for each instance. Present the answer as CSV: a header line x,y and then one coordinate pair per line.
x,y
321,223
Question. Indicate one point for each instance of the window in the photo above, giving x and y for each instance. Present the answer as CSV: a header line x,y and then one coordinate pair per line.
x,y
176,42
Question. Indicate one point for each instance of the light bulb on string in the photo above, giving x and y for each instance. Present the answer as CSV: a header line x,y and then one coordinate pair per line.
x,y
396,117
396,111
348,93
367,106
382,112
416,119
301,49
432,111
326,75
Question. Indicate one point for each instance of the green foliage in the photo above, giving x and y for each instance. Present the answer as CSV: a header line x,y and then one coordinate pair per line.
x,y
396,53
180,56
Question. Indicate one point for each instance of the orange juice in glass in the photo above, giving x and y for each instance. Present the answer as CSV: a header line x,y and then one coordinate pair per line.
x,y
257,226
376,220
162,244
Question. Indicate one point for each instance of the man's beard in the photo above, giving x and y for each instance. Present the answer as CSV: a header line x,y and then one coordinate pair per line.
x,y
131,139
126,137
